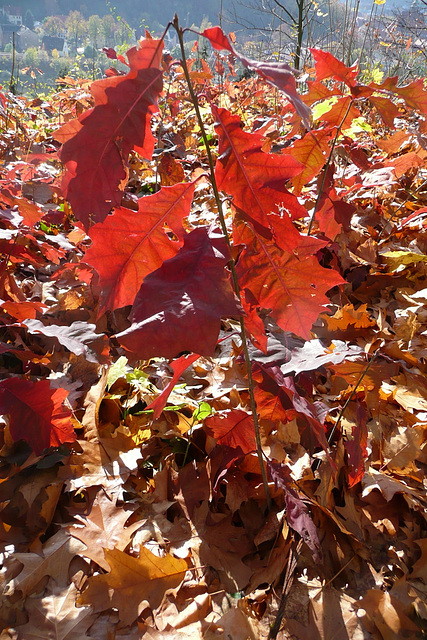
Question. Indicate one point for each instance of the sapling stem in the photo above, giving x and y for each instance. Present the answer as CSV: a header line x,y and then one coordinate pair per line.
x,y
232,263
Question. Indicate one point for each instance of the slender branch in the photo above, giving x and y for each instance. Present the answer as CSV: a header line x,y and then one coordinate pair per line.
x,y
287,584
345,405
231,263
326,167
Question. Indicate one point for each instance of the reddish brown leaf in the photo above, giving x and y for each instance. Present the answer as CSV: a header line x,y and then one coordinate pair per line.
x,y
179,306
96,146
386,109
297,514
279,74
232,429
36,413
356,447
292,287
129,245
327,66
414,94
311,151
255,179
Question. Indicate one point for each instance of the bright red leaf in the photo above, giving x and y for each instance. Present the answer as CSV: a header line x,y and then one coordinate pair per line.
x,y
233,429
255,179
36,413
327,66
129,245
96,146
292,287
178,367
179,306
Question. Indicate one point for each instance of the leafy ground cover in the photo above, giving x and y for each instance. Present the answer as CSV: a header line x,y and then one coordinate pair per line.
x,y
213,354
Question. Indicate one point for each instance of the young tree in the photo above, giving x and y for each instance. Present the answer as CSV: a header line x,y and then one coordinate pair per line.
x,y
94,29
76,27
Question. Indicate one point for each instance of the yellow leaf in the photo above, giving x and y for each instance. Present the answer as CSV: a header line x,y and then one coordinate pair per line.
x,y
132,582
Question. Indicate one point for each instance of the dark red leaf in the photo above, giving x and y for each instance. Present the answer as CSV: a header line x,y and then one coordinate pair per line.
x,y
36,413
357,447
297,515
179,306
96,146
129,245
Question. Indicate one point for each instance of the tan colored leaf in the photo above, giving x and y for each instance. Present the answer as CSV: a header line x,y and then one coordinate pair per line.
x,y
57,554
55,616
385,614
133,582
104,528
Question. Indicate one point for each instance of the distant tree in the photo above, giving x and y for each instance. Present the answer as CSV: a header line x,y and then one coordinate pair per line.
x,y
53,26
94,29
29,19
76,27
108,26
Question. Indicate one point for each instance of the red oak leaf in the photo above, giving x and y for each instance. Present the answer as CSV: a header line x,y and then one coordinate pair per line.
x,y
232,428
36,413
129,245
96,146
311,151
179,306
341,114
255,179
327,66
414,94
178,367
292,286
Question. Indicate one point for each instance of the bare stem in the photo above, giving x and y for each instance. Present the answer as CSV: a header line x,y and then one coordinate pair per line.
x,y
231,263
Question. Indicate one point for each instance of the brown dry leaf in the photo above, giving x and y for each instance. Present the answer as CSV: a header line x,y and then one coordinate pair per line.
x,y
133,583
386,615
419,570
55,616
238,626
56,556
104,528
347,317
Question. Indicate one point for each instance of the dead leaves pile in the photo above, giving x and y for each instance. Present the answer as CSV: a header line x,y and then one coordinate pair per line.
x,y
150,528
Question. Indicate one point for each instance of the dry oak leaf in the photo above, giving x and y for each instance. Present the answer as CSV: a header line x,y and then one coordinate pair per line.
x,y
56,556
385,614
55,616
133,582
104,528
